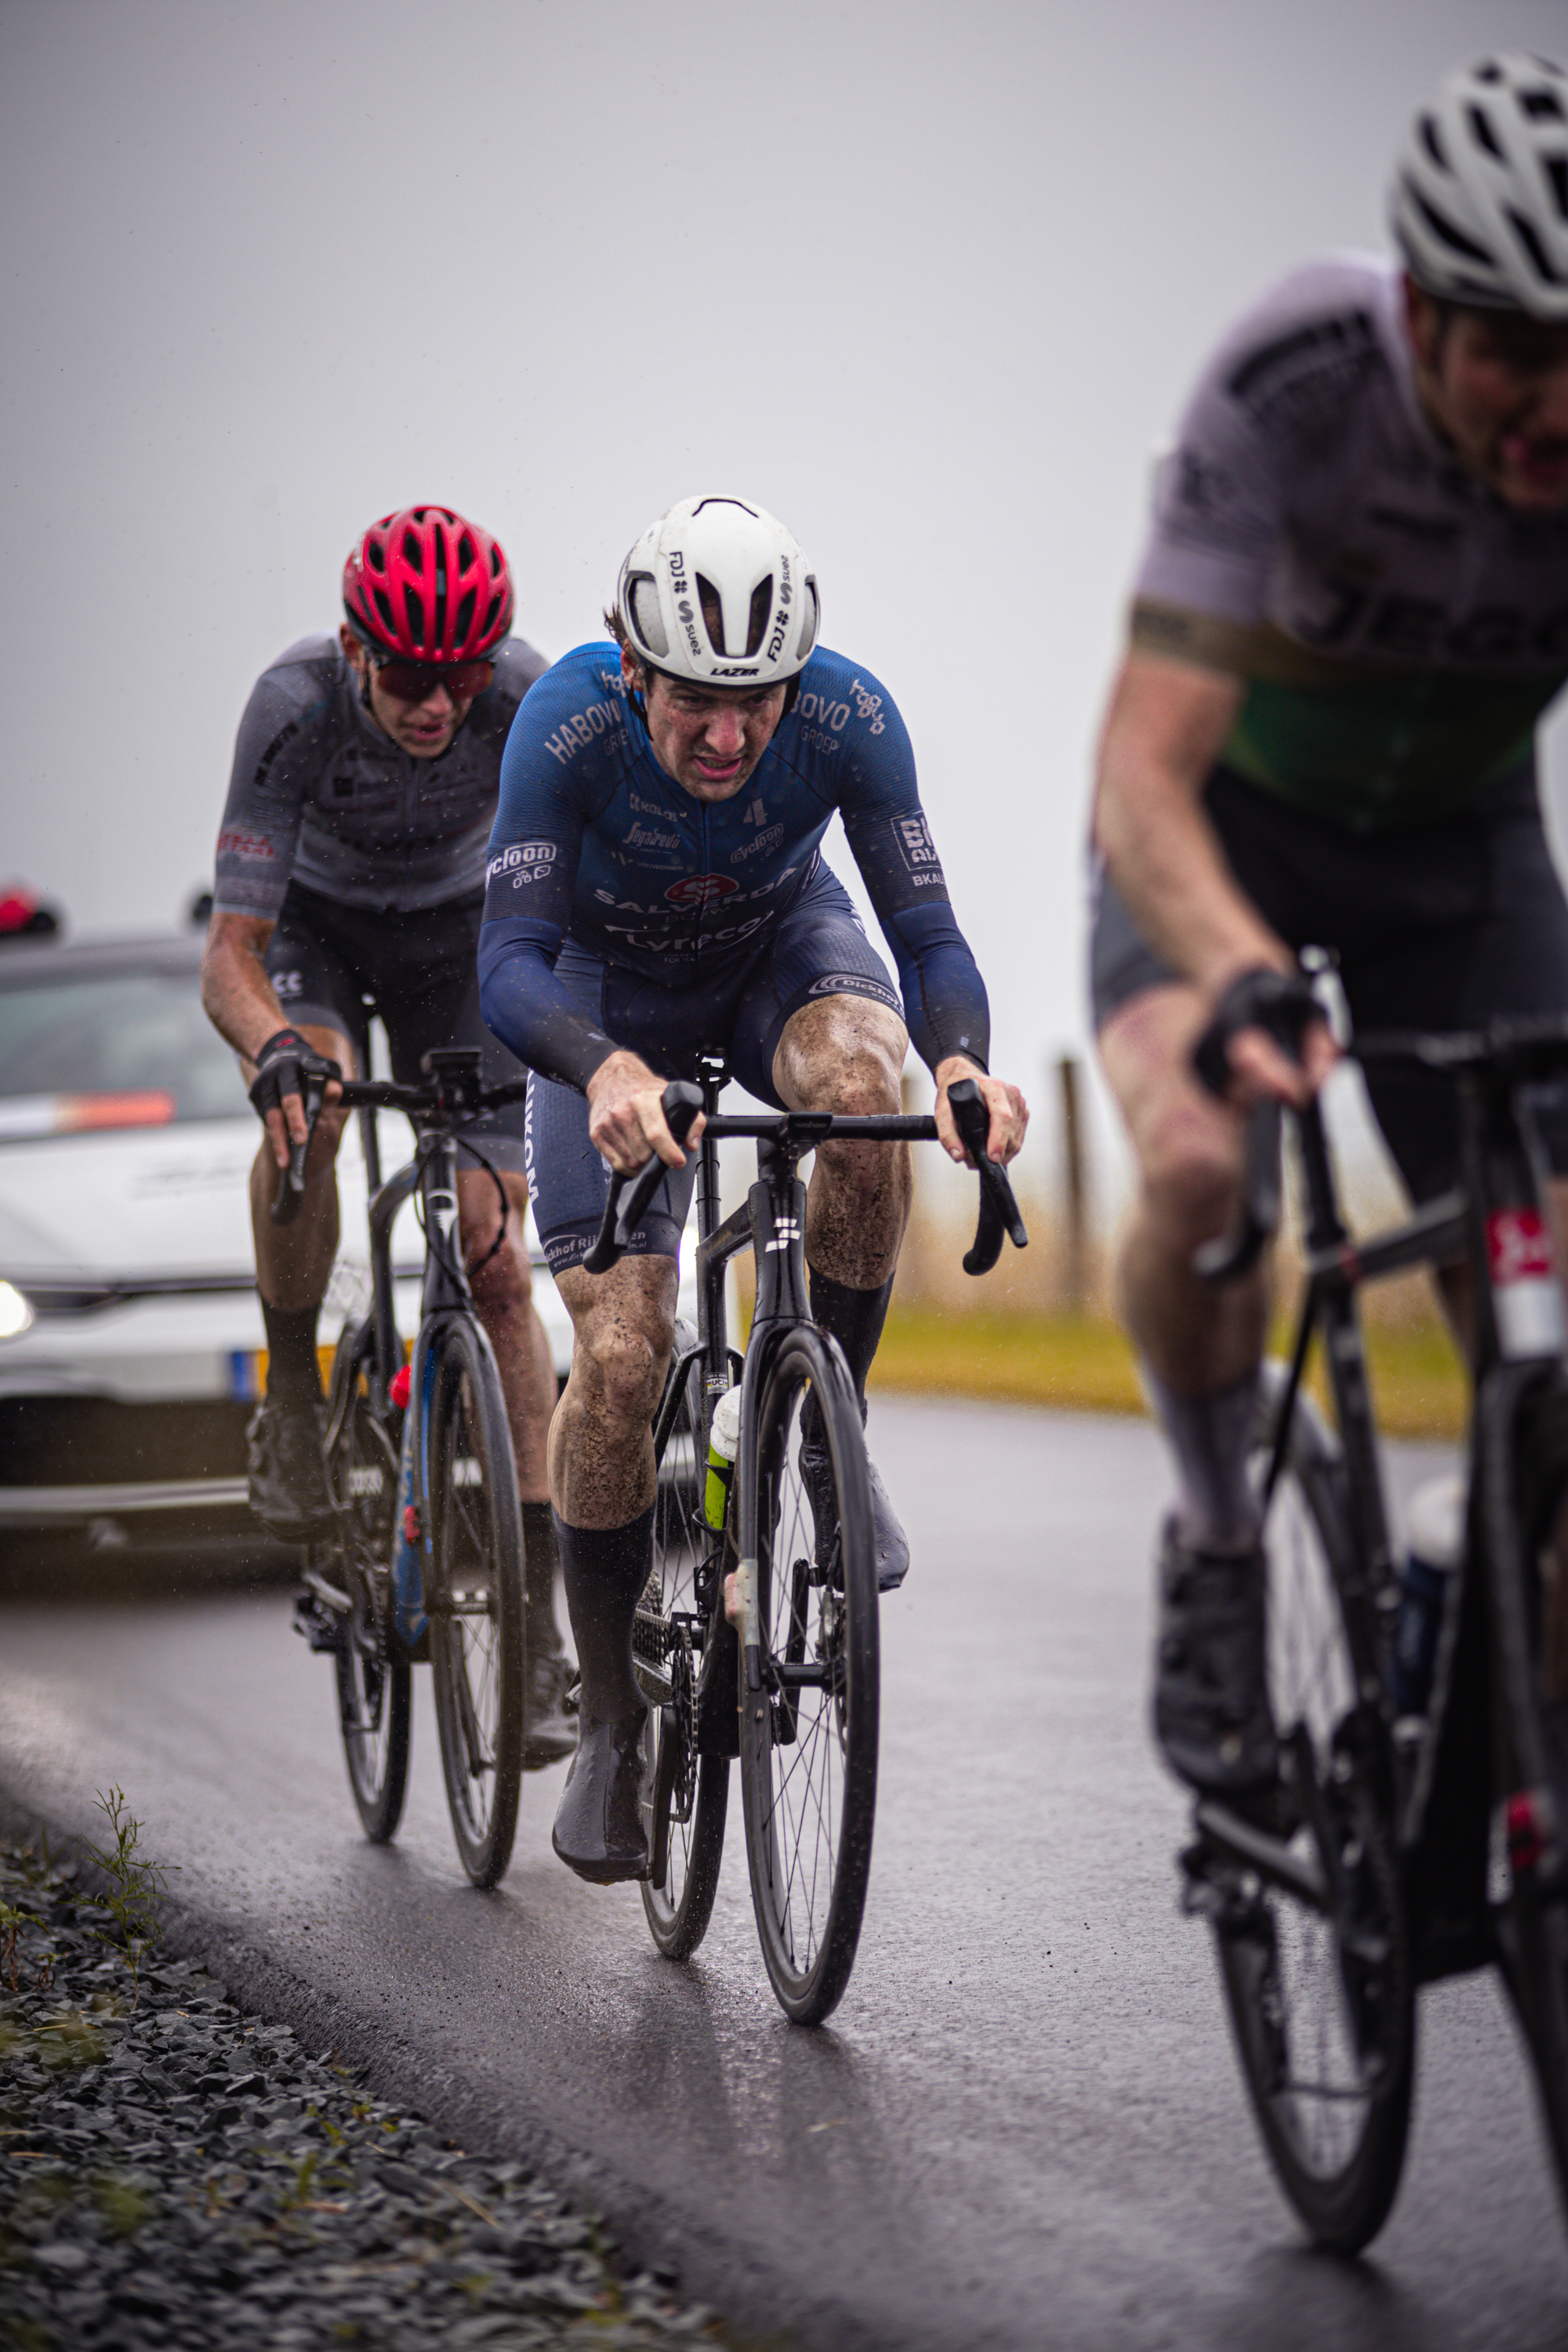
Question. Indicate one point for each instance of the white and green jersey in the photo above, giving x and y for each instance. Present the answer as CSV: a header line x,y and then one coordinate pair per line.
x,y
1399,629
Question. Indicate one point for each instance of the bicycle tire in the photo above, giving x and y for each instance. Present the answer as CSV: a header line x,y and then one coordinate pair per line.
x,y
808,1751
474,1598
373,1712
1323,2006
686,1796
1531,1918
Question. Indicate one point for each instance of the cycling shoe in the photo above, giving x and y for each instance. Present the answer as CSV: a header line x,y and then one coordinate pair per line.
x,y
550,1734
1212,1716
287,1470
891,1544
599,1831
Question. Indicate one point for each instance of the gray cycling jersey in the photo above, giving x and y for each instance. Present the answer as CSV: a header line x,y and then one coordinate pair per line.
x,y
319,794
1400,630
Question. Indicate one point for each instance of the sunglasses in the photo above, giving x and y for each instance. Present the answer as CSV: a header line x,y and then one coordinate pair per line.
x,y
408,681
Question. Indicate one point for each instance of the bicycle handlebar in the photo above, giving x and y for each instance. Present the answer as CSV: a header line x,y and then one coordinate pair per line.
x,y
999,1214
631,1195
998,1209
1521,1052
292,1179
379,1094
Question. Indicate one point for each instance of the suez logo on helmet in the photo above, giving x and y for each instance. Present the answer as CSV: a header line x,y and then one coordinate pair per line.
x,y
697,889
525,861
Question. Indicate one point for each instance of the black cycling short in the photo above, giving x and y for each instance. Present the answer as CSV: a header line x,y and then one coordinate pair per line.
x,y
335,966
1444,926
817,947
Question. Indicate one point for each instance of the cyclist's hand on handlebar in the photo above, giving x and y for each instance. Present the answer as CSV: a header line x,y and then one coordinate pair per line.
x,y
625,1116
1258,1067
1009,1111
281,1065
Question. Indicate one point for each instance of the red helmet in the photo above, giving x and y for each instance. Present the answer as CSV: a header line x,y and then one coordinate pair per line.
x,y
427,585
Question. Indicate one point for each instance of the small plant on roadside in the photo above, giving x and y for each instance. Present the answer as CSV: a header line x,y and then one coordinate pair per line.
x,y
136,1887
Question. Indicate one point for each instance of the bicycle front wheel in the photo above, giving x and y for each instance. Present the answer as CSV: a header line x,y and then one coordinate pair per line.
x,y
685,1796
475,1599
808,1734
373,1683
1321,1998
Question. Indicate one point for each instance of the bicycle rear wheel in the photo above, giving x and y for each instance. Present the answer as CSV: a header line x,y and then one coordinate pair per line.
x,y
1323,1997
685,1796
475,1599
808,1736
373,1683
1529,1869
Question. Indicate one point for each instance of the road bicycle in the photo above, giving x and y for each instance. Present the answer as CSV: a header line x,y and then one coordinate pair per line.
x,y
781,1671
425,1559
1399,1850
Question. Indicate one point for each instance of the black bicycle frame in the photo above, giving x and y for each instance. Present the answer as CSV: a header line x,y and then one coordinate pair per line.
x,y
1479,1724
771,1225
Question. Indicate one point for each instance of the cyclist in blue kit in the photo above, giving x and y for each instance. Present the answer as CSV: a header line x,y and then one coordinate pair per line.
x,y
656,889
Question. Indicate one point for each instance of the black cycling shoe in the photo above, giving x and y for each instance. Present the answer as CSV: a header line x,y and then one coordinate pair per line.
x,y
1212,1716
552,1734
892,1545
287,1470
599,1831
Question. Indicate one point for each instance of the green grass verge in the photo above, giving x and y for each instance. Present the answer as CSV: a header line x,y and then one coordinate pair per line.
x,y
1083,1364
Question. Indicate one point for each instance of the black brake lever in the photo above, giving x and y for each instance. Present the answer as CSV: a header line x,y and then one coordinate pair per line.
x,y
999,1215
291,1180
1236,1252
630,1195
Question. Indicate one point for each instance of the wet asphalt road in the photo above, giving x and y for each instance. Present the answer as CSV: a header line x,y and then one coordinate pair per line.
x,y
1023,2127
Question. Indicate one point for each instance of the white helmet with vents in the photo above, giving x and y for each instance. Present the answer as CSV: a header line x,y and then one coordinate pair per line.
x,y
718,592
1480,204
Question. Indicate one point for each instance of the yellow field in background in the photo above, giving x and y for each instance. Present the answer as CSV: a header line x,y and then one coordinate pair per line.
x,y
1084,1364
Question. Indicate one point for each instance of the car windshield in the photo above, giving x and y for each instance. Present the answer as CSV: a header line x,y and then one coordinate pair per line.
x,y
110,1049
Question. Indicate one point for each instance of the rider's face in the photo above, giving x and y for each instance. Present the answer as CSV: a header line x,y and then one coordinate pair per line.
x,y
1496,385
423,729
708,738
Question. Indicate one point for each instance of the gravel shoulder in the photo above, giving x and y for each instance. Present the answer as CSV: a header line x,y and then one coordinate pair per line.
x,y
175,2171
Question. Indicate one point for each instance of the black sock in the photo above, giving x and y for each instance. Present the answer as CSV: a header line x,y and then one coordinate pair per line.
x,y
853,1317
293,1367
542,1633
604,1571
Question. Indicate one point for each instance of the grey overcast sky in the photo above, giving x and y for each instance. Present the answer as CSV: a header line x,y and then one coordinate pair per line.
x,y
929,281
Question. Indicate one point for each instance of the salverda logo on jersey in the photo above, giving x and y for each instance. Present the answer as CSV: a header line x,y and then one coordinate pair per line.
x,y
700,889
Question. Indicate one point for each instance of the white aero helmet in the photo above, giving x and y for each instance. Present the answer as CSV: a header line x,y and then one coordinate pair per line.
x,y
717,592
1480,203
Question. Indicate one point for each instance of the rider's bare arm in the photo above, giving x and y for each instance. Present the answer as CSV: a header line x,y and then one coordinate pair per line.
x,y
239,998
242,1005
1167,725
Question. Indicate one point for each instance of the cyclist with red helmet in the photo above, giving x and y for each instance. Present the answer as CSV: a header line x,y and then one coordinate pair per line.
x,y
350,881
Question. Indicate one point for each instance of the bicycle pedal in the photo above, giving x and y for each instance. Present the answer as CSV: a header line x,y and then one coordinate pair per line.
x,y
318,1626
1211,1890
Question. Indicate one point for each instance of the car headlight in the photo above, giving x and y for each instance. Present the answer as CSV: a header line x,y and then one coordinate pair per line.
x,y
16,1315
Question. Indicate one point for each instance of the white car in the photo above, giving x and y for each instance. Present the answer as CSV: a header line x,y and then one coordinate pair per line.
x,y
130,1333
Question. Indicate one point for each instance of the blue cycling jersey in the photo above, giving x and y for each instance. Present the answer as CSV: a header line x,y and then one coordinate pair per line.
x,y
593,838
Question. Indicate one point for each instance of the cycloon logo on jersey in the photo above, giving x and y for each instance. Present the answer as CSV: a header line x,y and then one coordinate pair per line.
x,y
698,890
525,861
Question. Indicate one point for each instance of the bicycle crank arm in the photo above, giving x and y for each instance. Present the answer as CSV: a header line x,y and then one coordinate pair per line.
x,y
1254,1849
